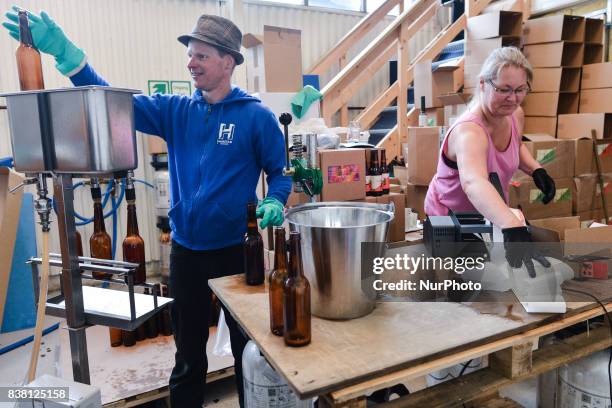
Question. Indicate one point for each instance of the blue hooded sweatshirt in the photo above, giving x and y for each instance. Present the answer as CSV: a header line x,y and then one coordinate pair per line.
x,y
215,155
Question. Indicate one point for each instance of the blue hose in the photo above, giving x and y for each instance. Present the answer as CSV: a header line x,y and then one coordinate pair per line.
x,y
6,162
26,340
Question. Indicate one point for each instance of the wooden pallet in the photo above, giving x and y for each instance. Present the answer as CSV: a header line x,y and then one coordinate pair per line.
x,y
164,393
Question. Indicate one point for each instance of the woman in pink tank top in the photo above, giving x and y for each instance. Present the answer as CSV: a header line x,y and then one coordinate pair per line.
x,y
487,139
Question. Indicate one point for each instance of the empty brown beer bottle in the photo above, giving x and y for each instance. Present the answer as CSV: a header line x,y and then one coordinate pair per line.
x,y
99,242
115,336
375,174
253,249
29,66
277,280
133,244
296,308
128,337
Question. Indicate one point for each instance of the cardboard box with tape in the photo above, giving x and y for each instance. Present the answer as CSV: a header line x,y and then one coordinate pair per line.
x,y
556,156
527,195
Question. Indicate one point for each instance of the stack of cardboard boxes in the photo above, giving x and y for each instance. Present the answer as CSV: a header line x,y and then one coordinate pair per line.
x,y
434,85
554,46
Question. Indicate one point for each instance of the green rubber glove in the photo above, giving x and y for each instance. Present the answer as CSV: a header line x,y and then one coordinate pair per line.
x,y
49,38
271,212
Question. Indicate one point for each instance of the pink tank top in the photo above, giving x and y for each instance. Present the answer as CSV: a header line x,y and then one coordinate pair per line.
x,y
445,190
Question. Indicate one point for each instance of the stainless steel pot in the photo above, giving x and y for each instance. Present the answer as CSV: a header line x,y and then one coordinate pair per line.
x,y
331,236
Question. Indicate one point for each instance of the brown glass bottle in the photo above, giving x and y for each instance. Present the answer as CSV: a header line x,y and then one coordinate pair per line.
x,y
99,242
253,249
296,308
128,338
384,171
150,325
375,174
368,177
166,326
133,244
277,280
115,336
79,244
29,64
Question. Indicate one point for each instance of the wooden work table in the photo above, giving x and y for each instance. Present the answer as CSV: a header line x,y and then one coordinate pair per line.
x,y
398,340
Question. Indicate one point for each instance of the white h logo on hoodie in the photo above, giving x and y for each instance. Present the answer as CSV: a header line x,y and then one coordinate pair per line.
x,y
226,134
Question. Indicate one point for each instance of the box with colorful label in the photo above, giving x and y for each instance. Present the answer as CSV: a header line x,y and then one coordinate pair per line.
x,y
344,174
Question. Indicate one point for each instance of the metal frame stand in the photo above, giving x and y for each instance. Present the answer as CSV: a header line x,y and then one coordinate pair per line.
x,y
72,288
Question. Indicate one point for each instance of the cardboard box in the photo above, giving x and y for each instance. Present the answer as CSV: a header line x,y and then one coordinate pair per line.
x,y
415,198
550,103
541,124
423,151
596,76
557,54
556,156
579,126
470,75
444,79
593,54
401,173
554,28
594,31
273,60
587,193
10,207
496,24
477,51
397,228
435,115
529,197
343,174
577,240
452,113
156,145
556,80
585,161
590,216
596,101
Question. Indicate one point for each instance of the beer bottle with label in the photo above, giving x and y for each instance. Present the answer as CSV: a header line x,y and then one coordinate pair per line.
x,y
133,244
384,170
99,242
253,249
277,280
375,174
29,65
296,308
368,177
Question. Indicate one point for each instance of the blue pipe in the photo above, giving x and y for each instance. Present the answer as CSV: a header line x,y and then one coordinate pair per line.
x,y
26,340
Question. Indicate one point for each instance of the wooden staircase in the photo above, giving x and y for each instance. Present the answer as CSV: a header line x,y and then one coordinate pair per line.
x,y
392,41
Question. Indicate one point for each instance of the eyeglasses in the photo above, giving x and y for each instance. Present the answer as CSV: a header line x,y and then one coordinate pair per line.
x,y
509,91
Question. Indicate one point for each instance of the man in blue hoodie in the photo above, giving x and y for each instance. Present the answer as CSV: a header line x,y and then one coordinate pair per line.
x,y
219,140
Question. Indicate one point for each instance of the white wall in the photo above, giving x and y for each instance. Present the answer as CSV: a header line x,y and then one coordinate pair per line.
x,y
132,41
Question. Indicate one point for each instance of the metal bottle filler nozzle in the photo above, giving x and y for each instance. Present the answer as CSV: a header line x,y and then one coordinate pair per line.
x,y
306,174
